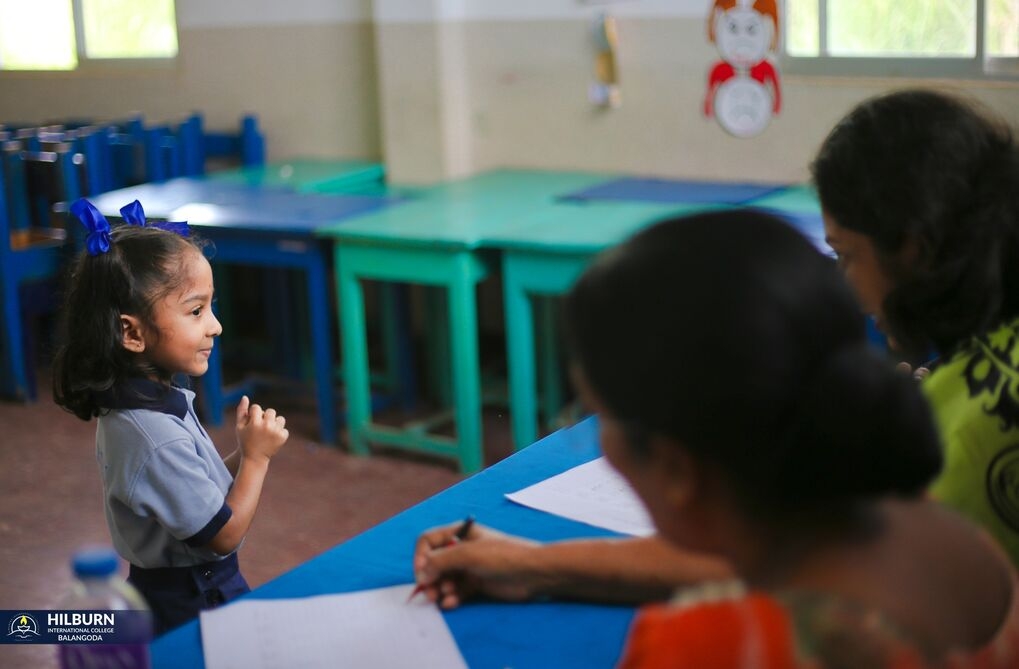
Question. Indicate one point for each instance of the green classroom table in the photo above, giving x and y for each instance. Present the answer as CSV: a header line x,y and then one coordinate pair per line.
x,y
543,253
438,240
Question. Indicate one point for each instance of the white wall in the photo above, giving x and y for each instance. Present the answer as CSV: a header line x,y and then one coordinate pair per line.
x,y
519,93
239,13
410,11
442,88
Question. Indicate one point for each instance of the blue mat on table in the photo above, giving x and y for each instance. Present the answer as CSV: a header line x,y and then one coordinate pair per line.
x,y
809,224
669,191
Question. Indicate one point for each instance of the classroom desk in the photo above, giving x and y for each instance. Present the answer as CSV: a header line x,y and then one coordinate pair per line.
x,y
331,176
308,175
437,240
264,226
546,250
490,635
542,255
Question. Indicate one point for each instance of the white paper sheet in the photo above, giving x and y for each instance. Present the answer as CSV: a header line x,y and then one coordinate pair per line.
x,y
593,493
371,628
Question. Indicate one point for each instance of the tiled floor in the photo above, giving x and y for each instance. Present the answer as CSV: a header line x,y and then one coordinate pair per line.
x,y
315,497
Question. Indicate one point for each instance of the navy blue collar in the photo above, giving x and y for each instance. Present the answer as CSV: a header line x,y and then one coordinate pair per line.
x,y
139,393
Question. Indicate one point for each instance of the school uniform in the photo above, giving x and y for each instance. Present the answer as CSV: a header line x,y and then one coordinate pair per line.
x,y
164,489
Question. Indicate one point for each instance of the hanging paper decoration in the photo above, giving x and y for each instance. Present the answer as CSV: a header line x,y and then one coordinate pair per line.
x,y
743,88
604,90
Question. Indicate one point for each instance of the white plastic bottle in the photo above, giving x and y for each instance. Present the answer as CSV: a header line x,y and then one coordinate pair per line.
x,y
97,589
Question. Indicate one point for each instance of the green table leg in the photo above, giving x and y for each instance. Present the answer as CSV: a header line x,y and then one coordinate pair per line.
x,y
466,367
525,275
456,271
354,338
520,357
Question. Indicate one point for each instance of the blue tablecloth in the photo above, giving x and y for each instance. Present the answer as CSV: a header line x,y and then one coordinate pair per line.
x,y
489,634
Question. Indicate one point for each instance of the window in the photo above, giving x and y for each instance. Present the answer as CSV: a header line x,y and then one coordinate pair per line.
x,y
65,34
902,37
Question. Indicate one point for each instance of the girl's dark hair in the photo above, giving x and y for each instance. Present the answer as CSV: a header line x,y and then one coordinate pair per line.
x,y
729,333
934,183
143,265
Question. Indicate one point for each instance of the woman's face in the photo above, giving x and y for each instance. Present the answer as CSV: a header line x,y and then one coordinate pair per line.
x,y
643,471
858,260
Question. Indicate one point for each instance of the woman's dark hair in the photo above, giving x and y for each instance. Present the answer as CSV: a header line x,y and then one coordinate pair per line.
x,y
934,183
143,265
731,334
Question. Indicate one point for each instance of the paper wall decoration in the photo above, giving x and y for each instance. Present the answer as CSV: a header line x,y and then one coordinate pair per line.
x,y
743,88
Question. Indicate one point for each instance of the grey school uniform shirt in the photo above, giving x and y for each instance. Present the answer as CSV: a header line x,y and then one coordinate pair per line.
x,y
164,484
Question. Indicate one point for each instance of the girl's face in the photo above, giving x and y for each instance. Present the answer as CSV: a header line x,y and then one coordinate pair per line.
x,y
858,260
186,324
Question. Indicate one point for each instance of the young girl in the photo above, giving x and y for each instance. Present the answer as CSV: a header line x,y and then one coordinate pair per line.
x,y
139,311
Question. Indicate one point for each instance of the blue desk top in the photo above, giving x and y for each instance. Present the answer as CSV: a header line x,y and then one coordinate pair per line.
x,y
673,191
799,198
226,204
489,634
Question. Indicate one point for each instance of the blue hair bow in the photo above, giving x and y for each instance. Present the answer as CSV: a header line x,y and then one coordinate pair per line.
x,y
98,239
134,215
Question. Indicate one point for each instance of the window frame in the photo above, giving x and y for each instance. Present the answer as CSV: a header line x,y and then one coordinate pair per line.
x,y
978,66
90,65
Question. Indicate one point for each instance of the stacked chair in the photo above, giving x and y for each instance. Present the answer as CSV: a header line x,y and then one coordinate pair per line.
x,y
43,169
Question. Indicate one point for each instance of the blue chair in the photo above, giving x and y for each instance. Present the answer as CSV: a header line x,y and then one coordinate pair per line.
x,y
126,165
200,148
32,255
163,154
114,154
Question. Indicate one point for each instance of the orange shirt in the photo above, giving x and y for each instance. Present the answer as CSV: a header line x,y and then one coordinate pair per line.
x,y
800,631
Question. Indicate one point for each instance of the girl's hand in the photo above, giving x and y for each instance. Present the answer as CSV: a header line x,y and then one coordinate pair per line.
x,y
486,562
261,433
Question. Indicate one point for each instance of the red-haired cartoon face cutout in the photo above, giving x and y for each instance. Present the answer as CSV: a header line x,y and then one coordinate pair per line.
x,y
743,36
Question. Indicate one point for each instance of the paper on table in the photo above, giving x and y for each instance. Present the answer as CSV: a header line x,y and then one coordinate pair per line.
x,y
593,493
355,629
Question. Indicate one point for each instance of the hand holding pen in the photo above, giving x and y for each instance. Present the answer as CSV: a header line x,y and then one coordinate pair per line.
x,y
455,563
459,535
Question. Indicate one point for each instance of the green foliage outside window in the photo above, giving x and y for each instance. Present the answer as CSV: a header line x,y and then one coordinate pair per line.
x,y
902,28
41,34
129,29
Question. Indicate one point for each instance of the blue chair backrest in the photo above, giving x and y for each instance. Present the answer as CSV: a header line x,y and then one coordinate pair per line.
x,y
198,147
40,185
